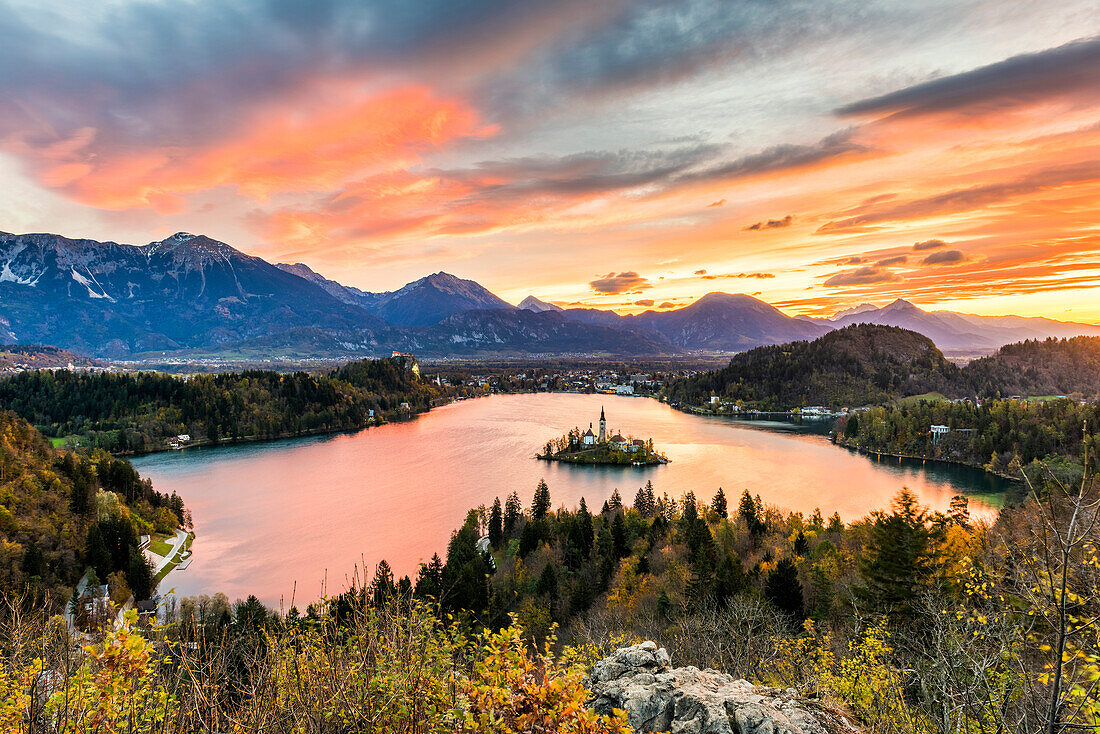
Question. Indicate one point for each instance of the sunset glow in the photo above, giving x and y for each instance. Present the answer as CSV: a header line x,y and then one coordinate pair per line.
x,y
628,156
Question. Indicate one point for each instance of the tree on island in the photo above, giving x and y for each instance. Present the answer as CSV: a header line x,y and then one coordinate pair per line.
x,y
541,504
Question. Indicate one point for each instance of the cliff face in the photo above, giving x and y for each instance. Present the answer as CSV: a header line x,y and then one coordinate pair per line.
x,y
660,698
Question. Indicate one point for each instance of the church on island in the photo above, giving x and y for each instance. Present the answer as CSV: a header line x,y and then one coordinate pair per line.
x,y
598,448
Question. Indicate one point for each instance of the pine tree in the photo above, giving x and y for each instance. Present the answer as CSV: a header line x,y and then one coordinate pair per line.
x,y
618,537
644,501
580,532
784,590
429,580
801,545
382,587
748,511
140,576
496,524
513,511
541,503
718,504
899,559
615,502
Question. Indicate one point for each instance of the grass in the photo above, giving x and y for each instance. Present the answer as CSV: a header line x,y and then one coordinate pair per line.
x,y
158,544
928,397
175,561
59,443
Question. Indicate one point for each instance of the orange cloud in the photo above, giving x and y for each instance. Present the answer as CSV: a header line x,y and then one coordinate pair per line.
x,y
317,139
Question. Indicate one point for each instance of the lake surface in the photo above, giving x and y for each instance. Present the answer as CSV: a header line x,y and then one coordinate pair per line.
x,y
277,519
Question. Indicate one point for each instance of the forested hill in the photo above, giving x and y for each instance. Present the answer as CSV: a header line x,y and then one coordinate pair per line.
x,y
858,365
1046,367
57,518
141,411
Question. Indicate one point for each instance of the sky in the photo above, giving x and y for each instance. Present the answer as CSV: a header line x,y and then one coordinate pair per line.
x,y
627,154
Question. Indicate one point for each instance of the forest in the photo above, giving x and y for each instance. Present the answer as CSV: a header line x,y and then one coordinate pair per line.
x,y
1006,437
867,364
140,412
909,620
63,512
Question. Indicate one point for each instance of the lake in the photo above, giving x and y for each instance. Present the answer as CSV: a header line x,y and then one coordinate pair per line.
x,y
296,516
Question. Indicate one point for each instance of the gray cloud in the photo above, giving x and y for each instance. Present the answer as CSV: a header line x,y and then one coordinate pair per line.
x,y
616,283
759,276
887,262
771,224
961,200
862,276
928,245
944,257
1071,69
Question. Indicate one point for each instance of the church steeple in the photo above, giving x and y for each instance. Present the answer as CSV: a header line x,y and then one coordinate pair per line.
x,y
603,427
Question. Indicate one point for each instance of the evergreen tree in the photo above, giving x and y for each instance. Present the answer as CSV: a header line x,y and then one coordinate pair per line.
x,y
541,504
618,537
34,562
98,555
784,590
382,588
851,428
748,511
899,559
730,578
644,501
718,504
429,580
580,531
139,576
513,511
496,524
547,584
615,502
466,570
801,545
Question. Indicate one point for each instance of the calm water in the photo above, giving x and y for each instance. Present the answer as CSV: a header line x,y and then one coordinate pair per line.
x,y
272,515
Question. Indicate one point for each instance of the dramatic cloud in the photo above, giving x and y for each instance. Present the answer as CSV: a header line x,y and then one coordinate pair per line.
x,y
928,245
968,199
862,276
887,262
771,224
644,302
944,257
616,283
1070,70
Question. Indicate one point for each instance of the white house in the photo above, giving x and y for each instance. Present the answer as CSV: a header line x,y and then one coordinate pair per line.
x,y
938,432
624,389
589,438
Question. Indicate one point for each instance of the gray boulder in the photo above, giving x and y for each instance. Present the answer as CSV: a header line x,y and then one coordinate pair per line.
x,y
659,698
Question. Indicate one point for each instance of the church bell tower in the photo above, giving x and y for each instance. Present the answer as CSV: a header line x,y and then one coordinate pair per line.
x,y
603,427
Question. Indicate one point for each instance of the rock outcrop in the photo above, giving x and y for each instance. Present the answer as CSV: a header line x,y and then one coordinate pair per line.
x,y
659,698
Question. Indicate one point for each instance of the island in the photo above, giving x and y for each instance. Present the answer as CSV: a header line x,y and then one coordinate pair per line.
x,y
591,448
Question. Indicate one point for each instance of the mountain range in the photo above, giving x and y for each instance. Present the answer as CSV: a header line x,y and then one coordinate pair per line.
x,y
192,296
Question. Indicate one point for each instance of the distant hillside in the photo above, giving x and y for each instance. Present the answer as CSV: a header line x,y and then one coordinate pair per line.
x,y
959,332
36,356
857,365
1048,367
